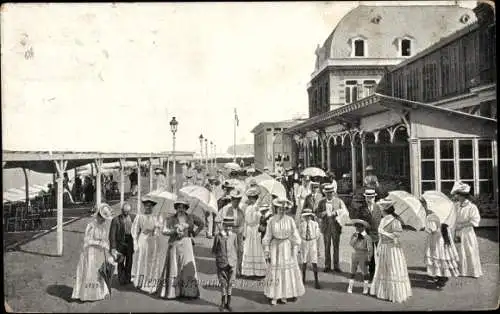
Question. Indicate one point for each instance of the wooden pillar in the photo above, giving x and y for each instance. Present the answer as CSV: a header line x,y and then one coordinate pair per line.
x,y
139,186
60,167
27,188
328,156
323,154
494,153
150,174
98,183
363,155
353,162
122,181
414,166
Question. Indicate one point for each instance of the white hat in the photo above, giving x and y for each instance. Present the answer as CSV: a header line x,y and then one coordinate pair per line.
x,y
370,192
235,193
264,207
385,203
369,168
281,202
105,211
181,201
358,221
252,192
329,188
460,188
307,212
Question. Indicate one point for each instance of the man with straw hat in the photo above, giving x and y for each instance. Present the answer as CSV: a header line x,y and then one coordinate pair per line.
x,y
309,232
330,210
233,210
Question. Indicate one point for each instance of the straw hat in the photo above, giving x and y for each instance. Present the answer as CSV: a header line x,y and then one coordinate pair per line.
x,y
159,170
329,188
252,192
460,188
369,168
181,201
314,184
279,202
147,200
307,212
252,182
228,220
370,193
235,193
354,222
227,185
105,211
251,170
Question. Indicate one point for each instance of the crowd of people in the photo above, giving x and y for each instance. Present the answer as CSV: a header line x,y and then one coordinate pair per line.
x,y
263,236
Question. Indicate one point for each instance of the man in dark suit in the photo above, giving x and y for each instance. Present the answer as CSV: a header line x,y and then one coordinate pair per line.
x,y
223,201
328,211
364,207
121,243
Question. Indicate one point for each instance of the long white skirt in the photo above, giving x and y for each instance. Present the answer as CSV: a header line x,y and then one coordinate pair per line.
x,y
89,285
284,279
441,260
468,251
148,262
254,262
391,281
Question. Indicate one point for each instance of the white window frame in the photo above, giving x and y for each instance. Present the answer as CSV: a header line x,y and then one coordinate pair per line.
x,y
353,46
351,93
399,46
364,88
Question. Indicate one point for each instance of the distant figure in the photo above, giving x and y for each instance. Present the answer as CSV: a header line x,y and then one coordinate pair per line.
x,y
371,180
133,177
161,179
242,163
184,170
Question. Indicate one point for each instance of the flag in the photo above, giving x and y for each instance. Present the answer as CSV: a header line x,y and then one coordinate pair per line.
x,y
236,117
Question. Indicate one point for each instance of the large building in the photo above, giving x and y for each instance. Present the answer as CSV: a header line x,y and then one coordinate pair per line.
x,y
432,119
270,140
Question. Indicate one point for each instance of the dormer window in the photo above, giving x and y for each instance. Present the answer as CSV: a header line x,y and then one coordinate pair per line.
x,y
406,47
358,47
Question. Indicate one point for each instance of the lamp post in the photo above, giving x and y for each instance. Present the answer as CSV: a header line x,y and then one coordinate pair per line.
x,y
211,154
215,156
173,128
206,153
201,149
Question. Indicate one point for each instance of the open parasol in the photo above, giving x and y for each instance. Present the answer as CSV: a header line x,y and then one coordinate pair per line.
x,y
313,172
274,188
409,208
201,199
232,166
442,206
259,178
164,202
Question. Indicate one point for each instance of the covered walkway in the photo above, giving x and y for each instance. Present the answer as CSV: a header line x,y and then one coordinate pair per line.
x,y
60,162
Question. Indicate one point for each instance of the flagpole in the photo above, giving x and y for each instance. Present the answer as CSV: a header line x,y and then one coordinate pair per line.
x,y
234,137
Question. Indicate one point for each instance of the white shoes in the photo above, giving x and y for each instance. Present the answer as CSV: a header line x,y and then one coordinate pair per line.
x,y
351,284
366,287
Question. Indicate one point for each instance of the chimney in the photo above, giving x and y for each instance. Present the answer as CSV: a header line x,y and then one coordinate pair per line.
x,y
485,12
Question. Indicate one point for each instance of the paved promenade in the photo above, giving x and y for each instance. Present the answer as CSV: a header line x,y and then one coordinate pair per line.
x,y
37,281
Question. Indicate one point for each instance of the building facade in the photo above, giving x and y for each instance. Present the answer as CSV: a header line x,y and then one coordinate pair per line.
x,y
272,145
429,123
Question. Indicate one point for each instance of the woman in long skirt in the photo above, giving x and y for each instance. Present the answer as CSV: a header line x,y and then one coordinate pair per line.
x,y
254,262
467,218
390,281
441,256
89,285
281,243
146,267
180,277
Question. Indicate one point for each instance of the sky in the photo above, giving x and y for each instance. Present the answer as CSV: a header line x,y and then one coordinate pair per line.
x,y
110,77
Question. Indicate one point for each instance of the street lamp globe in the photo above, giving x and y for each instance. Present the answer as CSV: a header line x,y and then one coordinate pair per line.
x,y
173,125
201,137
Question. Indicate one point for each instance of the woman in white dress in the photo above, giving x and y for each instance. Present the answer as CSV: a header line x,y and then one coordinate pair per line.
x,y
390,281
441,256
254,262
281,244
147,263
467,218
89,285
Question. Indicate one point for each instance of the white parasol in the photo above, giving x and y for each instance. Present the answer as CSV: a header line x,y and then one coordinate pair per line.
x,y
200,198
442,206
274,188
313,172
232,166
409,208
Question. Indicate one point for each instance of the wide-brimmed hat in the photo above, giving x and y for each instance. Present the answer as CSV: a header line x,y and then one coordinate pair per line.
x,y
369,168
252,182
329,188
105,211
147,200
235,193
181,201
314,184
227,185
307,212
354,222
264,207
250,170
370,193
281,202
253,192
460,188
228,220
